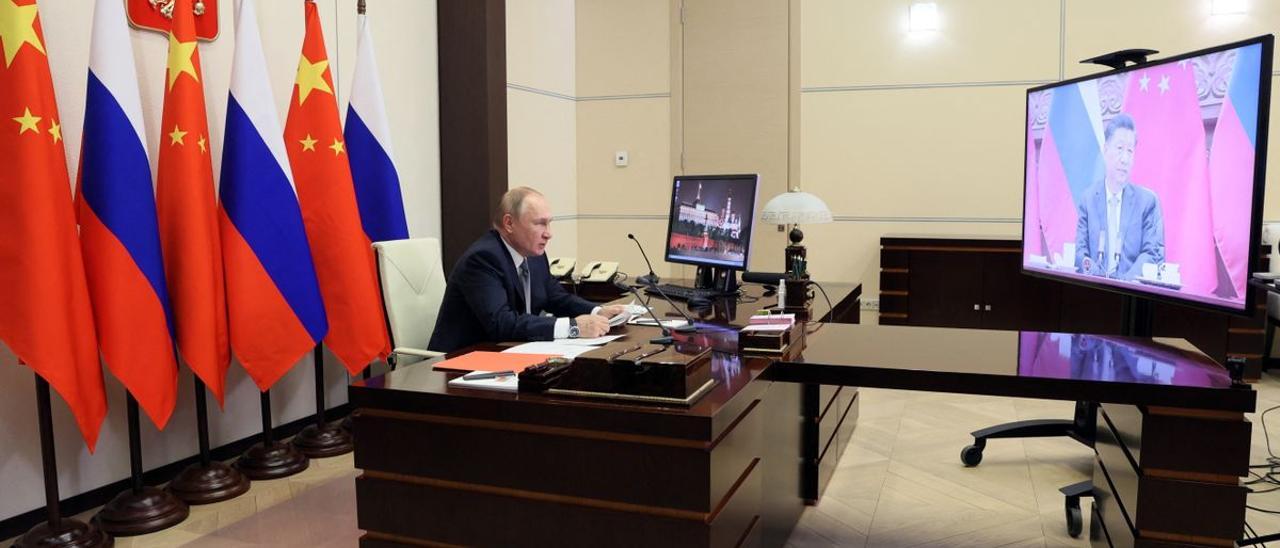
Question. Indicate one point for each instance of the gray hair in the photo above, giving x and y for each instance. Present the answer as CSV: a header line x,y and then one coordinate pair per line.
x,y
1120,121
512,203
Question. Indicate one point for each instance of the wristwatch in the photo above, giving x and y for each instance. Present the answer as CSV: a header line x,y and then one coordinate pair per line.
x,y
573,328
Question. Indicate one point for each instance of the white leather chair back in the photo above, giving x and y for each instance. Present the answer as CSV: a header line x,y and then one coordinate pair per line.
x,y
413,283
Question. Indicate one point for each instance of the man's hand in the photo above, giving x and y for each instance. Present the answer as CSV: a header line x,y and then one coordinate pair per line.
x,y
591,326
612,310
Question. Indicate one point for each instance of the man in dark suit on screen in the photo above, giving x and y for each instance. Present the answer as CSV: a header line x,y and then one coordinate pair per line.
x,y
1120,226
501,288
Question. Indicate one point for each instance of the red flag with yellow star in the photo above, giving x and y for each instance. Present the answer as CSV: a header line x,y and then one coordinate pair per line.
x,y
343,254
188,212
45,314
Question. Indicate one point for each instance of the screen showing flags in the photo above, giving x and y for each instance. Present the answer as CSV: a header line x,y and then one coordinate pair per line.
x,y
1146,179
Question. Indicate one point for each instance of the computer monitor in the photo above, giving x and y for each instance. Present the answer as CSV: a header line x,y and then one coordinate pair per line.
x,y
711,220
1148,180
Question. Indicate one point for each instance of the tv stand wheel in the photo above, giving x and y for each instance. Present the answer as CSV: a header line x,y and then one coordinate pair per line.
x,y
1075,522
971,455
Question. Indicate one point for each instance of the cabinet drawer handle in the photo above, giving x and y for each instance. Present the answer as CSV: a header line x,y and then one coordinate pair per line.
x,y
988,308
975,307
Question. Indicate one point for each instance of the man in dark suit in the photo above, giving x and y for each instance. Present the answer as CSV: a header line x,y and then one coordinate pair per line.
x,y
1119,226
500,288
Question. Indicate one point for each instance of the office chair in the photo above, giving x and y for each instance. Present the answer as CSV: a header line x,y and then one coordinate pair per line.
x,y
412,279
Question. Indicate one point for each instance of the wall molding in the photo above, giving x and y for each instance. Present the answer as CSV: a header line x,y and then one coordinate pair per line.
x,y
584,98
924,85
836,218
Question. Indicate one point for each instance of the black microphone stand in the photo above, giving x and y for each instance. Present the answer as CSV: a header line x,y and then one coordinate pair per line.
x,y
666,333
686,328
650,278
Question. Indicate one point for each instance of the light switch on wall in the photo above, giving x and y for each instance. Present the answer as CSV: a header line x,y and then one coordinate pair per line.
x,y
620,158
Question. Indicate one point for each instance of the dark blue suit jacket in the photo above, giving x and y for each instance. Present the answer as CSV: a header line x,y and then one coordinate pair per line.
x,y
484,300
1141,230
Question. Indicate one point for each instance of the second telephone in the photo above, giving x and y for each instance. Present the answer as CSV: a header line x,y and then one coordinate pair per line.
x,y
600,271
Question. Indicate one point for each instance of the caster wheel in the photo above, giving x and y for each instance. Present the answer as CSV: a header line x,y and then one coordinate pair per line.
x,y
971,455
1075,523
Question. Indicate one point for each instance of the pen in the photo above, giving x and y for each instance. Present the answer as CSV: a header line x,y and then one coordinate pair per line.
x,y
478,376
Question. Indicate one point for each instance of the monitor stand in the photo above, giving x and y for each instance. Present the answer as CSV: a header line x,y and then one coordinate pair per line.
x,y
721,280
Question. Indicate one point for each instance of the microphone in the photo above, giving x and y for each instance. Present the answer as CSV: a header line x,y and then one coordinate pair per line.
x,y
686,328
650,278
666,333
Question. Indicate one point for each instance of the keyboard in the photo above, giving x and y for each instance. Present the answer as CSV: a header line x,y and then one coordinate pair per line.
x,y
685,293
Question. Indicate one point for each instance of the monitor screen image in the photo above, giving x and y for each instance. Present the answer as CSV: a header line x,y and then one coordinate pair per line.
x,y
1149,180
711,219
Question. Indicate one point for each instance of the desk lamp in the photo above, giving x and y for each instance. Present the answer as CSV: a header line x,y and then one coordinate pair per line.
x,y
795,208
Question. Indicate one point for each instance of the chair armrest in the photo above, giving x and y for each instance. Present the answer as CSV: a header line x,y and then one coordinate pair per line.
x,y
417,352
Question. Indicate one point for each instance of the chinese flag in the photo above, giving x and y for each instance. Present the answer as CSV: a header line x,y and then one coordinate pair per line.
x,y
188,211
343,254
45,314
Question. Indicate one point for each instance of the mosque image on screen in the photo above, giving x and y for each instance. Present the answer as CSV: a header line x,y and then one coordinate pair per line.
x,y
1148,180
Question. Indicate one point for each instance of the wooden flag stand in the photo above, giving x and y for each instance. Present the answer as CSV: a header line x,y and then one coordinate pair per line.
x,y
207,481
323,439
141,509
57,532
270,459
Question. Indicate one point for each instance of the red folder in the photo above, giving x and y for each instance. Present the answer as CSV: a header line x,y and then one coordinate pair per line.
x,y
493,361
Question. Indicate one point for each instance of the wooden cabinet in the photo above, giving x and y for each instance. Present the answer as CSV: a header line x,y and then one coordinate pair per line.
x,y
977,282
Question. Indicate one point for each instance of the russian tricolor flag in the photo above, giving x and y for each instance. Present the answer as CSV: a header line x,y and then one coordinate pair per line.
x,y
273,300
119,233
1231,166
369,144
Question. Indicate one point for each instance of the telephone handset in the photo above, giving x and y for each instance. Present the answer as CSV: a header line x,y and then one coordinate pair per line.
x,y
600,271
562,267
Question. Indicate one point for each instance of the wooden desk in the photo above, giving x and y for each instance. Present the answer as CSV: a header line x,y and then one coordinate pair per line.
x,y
457,466
1172,439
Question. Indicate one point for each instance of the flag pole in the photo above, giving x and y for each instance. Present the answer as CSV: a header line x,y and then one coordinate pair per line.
x,y
322,439
140,509
270,459
207,481
57,531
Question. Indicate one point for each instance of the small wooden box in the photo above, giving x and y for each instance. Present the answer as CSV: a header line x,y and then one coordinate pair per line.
x,y
769,339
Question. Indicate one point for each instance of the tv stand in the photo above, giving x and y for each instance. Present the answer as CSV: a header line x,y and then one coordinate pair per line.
x,y
722,280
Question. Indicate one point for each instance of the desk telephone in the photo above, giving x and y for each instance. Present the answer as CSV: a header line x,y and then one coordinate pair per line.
x,y
600,271
562,267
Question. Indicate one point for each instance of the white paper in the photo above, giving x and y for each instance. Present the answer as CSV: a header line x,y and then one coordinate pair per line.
x,y
767,327
590,342
553,348
508,383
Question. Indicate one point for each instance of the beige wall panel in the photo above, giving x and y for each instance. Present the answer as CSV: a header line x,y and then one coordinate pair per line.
x,y
914,153
540,44
541,151
850,251
1095,27
642,128
866,42
735,92
606,240
623,47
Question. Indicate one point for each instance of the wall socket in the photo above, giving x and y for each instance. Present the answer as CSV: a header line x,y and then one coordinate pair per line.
x,y
871,304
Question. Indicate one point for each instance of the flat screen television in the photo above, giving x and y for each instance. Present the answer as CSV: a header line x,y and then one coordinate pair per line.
x,y
711,219
1148,180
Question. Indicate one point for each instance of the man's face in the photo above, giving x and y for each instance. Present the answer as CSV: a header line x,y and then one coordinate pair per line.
x,y
1117,153
530,232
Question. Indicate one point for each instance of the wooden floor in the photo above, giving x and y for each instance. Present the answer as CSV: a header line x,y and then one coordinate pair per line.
x,y
900,484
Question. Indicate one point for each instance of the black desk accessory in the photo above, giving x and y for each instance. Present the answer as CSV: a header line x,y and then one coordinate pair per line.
x,y
666,333
1119,59
539,378
650,278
